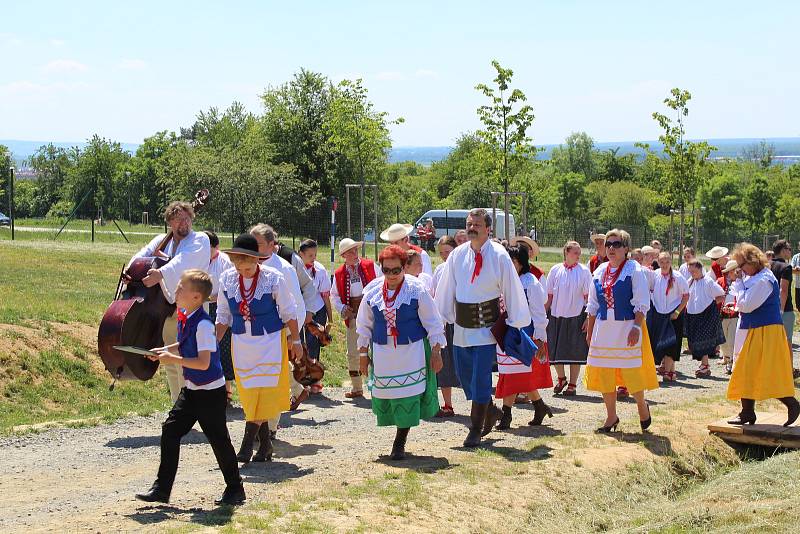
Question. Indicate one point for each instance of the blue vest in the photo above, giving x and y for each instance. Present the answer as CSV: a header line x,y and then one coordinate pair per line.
x,y
409,327
623,294
263,316
187,343
768,313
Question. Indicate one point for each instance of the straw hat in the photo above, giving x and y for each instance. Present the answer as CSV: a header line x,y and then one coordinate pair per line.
x,y
245,245
347,244
396,232
528,241
730,266
597,237
716,253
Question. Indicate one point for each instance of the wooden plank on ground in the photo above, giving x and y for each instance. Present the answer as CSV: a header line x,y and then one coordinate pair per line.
x,y
768,431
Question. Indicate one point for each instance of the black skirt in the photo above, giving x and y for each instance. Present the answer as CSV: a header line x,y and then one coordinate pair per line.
x,y
704,331
566,341
447,377
666,335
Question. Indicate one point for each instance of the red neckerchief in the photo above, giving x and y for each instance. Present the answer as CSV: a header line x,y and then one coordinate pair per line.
x,y
182,317
476,272
608,282
214,257
313,270
247,294
670,282
389,312
570,267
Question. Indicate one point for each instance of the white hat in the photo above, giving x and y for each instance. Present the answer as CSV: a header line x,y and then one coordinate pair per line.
x,y
396,232
346,244
528,241
647,249
595,237
730,266
716,253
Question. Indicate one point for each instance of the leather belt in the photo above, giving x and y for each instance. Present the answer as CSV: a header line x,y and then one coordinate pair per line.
x,y
477,315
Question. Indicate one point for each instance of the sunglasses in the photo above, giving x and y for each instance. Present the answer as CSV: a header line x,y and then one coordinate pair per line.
x,y
392,271
614,244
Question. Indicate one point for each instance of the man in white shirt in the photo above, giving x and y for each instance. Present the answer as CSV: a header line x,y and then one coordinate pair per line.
x,y
185,249
795,264
397,234
478,274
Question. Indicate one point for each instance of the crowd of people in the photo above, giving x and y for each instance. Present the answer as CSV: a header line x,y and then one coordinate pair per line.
x,y
244,316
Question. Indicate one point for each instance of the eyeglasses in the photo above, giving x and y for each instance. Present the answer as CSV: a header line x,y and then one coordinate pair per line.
x,y
392,271
614,244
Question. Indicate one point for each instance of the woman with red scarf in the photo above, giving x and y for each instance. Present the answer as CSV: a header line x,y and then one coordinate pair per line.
x,y
669,295
619,348
398,317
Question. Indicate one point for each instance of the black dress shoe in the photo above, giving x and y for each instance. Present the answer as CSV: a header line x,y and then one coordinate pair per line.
x,y
154,494
232,496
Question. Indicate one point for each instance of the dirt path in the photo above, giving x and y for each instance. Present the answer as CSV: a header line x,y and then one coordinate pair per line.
x,y
84,478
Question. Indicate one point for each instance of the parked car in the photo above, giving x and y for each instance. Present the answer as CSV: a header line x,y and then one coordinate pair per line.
x,y
448,222
4,220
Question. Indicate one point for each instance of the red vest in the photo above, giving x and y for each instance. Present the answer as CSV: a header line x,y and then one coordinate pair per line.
x,y
717,269
595,262
535,271
366,271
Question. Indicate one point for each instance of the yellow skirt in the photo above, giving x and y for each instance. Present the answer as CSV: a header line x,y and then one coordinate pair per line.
x,y
260,404
763,368
606,379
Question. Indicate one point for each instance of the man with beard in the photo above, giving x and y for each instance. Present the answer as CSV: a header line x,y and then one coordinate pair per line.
x,y
186,249
479,273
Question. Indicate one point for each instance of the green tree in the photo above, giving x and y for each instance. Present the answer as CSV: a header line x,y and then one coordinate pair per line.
x,y
614,168
98,173
685,160
51,164
721,196
576,156
506,120
294,119
759,204
570,195
5,166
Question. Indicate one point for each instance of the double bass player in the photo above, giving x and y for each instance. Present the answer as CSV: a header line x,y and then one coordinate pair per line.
x,y
185,249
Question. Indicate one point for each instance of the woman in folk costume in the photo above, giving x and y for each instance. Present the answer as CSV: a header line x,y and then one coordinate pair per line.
x,y
728,312
568,288
703,327
447,378
255,302
619,348
399,318
515,376
762,367
414,268
669,295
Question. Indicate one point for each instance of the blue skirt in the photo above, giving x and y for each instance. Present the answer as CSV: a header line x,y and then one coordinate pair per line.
x,y
704,331
666,335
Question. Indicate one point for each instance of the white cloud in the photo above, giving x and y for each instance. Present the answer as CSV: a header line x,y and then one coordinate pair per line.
x,y
426,73
65,65
57,42
390,76
132,64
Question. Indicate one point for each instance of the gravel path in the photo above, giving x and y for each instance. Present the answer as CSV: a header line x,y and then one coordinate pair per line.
x,y
85,478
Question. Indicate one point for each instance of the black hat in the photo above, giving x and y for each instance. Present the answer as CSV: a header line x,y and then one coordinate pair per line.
x,y
246,245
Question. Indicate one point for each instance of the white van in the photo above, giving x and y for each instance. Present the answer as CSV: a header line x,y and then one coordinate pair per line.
x,y
448,222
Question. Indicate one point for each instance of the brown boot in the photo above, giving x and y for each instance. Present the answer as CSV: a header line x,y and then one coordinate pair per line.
x,y
793,409
540,409
748,414
246,448
477,417
493,415
264,453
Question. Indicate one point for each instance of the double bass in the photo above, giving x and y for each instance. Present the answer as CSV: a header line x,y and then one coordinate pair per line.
x,y
137,314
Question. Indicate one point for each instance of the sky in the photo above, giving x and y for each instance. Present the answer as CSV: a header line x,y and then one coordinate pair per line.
x,y
125,70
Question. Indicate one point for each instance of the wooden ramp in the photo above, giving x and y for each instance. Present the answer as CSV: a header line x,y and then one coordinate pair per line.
x,y
768,431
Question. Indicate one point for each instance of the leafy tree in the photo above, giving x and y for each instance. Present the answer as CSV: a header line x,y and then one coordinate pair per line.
x,y
624,203
52,164
570,195
759,204
577,156
685,160
721,197
506,120
98,173
615,168
5,165
294,119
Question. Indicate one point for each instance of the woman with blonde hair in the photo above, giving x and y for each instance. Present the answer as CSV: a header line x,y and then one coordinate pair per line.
x,y
669,296
619,347
762,367
568,287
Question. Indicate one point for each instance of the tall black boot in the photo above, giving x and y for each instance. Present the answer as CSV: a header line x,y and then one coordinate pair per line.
x,y
246,449
540,409
493,415
793,408
505,421
399,446
748,414
477,416
264,453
